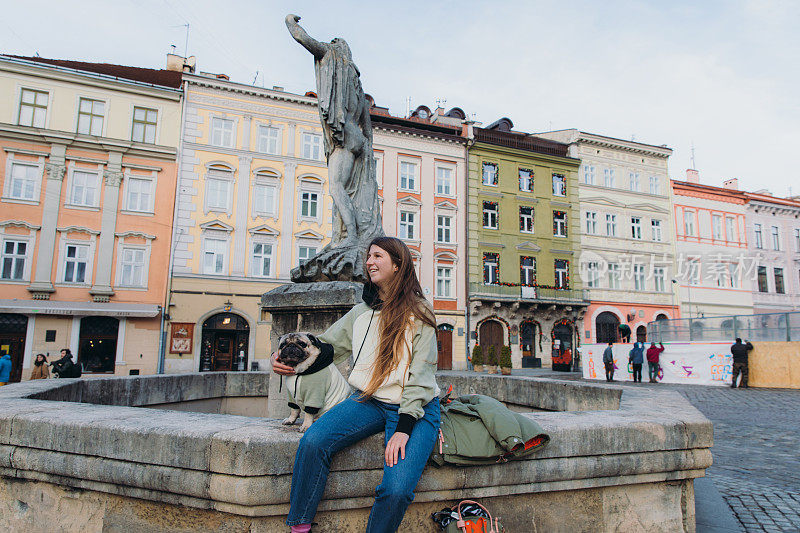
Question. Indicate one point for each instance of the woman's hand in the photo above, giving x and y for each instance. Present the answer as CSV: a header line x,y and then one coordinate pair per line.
x,y
397,443
280,368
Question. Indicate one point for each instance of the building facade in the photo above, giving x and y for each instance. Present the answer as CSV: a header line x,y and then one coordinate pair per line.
x,y
627,243
713,267
251,204
421,173
88,177
523,244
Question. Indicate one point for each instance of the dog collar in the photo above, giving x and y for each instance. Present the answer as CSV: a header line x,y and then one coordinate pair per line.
x,y
324,359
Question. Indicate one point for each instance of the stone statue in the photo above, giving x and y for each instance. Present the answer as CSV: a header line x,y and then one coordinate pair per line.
x,y
344,113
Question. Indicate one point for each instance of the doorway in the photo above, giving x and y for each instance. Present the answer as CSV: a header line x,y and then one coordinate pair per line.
x,y
491,334
562,346
444,345
606,327
641,334
13,328
527,342
224,344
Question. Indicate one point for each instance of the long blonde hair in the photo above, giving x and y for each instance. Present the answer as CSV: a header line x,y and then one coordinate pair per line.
x,y
404,300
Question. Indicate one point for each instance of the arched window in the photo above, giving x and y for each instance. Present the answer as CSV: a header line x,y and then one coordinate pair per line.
x,y
641,334
225,343
97,348
606,327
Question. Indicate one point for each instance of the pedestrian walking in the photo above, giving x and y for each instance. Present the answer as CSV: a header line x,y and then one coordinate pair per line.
x,y
65,367
740,352
636,359
608,361
653,353
5,369
40,369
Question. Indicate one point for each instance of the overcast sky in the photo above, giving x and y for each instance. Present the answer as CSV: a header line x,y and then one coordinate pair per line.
x,y
723,75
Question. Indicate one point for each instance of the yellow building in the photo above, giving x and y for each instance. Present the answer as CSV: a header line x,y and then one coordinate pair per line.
x,y
251,203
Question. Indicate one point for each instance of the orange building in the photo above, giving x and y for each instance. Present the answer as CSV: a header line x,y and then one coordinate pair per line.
x,y
88,173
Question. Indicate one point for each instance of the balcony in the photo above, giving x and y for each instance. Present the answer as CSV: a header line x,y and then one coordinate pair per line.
x,y
544,295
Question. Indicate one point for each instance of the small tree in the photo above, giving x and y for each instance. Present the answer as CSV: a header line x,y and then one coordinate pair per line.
x,y
477,355
491,357
505,357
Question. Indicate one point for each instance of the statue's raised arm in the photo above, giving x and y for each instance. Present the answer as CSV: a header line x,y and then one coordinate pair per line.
x,y
300,35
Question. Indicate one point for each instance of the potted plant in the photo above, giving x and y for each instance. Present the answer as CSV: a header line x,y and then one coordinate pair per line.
x,y
505,360
477,358
491,360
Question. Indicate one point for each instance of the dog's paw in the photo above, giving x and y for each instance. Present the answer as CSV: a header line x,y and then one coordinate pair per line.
x,y
304,427
288,421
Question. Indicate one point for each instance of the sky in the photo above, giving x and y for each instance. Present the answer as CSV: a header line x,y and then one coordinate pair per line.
x,y
719,76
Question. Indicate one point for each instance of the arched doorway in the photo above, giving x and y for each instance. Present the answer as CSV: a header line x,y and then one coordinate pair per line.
x,y
491,334
606,327
641,334
444,345
97,347
13,328
562,345
224,344
527,342
662,316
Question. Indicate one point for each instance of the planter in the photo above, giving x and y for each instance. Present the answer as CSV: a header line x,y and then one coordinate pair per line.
x,y
477,368
491,369
505,371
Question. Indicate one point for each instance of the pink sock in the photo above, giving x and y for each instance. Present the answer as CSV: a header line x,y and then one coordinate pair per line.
x,y
301,528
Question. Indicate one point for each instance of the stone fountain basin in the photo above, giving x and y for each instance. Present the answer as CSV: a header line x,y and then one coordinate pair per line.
x,y
617,458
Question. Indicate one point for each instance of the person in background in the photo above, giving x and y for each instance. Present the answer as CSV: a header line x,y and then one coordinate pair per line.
x,y
653,353
65,367
5,369
740,355
636,359
624,333
608,361
40,369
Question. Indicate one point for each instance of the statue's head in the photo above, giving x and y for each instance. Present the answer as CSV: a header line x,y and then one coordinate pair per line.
x,y
341,47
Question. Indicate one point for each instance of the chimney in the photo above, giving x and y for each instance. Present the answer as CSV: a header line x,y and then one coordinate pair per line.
x,y
180,63
692,176
732,184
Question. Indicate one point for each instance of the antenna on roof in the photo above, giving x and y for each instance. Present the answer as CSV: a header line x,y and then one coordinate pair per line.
x,y
186,44
440,102
633,137
255,79
408,106
692,159
173,49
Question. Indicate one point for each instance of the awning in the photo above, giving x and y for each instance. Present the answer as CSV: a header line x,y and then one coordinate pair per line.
x,y
51,307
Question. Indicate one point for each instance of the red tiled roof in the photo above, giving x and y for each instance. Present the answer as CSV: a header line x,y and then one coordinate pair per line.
x,y
165,78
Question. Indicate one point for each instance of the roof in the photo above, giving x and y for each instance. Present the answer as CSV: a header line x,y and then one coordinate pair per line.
x,y
416,126
165,78
686,188
521,141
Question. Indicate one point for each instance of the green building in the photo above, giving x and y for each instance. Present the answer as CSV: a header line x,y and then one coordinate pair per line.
x,y
523,246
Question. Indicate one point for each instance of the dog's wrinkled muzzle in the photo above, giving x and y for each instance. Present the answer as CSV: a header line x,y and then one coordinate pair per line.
x,y
291,355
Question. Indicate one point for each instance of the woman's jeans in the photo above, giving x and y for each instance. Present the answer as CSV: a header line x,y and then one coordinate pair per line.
x,y
345,424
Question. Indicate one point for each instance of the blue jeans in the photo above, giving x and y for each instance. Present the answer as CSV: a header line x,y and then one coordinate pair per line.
x,y
345,424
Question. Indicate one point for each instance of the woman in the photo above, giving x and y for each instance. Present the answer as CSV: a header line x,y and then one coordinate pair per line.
x,y
392,338
40,370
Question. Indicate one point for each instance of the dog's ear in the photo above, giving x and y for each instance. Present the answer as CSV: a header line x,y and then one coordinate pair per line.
x,y
314,340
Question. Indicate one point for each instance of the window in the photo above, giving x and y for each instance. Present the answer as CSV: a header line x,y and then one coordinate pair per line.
x,y
693,271
730,229
407,225
24,182
733,275
716,227
655,228
636,227
217,193
526,219
562,273
222,132
525,180
638,277
90,116
444,282
614,276
312,146
634,181
779,288
378,162
762,279
527,271
215,251
33,108
591,223
588,174
139,194
776,238
491,268
611,225
608,175
444,181
559,224
490,215
97,343
443,228
304,253
13,260
408,176
592,274
84,188
75,263
143,129
655,185
490,174
308,204
269,140
559,185
659,277
797,240
688,223
261,260
132,267
264,199
759,238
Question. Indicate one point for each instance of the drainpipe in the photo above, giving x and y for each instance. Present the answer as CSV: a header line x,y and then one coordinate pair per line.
x,y
467,326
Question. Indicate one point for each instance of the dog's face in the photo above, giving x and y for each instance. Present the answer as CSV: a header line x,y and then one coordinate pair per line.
x,y
298,350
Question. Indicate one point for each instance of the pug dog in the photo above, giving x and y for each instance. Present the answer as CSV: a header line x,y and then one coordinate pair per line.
x,y
317,384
